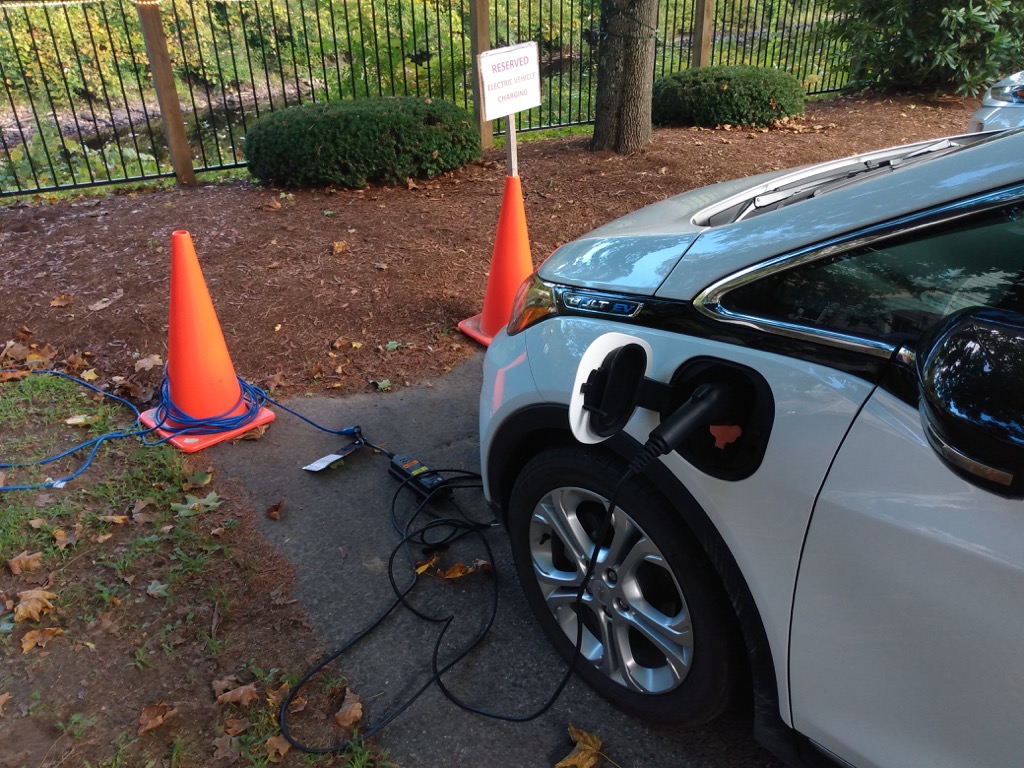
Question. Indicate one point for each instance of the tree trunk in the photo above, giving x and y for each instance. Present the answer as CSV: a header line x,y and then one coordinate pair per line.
x,y
625,75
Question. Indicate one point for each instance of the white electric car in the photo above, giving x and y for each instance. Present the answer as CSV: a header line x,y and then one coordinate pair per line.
x,y
831,362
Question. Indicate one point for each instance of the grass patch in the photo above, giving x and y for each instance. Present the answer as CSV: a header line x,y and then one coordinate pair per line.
x,y
129,592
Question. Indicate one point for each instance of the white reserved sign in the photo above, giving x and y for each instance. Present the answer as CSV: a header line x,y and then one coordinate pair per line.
x,y
509,79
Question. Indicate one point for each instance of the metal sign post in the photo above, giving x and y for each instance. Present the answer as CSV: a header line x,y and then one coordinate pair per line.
x,y
510,83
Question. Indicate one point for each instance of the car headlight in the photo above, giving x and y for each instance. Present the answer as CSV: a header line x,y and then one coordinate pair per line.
x,y
534,301
1011,93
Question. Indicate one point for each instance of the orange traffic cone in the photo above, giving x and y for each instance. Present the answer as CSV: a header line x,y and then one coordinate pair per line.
x,y
201,382
511,264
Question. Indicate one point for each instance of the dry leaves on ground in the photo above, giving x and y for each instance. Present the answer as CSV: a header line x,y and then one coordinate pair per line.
x,y
587,751
154,716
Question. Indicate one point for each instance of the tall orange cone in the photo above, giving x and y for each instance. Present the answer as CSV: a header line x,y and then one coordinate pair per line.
x,y
511,264
201,380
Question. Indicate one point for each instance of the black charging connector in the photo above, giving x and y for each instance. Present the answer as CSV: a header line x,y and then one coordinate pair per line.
x,y
708,402
425,482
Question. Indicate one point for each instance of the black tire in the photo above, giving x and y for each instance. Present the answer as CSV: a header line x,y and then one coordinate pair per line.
x,y
660,639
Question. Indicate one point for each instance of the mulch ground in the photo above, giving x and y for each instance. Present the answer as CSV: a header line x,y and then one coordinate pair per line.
x,y
335,289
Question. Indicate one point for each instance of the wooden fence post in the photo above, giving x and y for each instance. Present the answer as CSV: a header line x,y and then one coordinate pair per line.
x,y
166,93
703,30
480,41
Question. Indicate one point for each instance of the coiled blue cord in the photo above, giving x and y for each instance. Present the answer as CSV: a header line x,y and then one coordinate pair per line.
x,y
165,415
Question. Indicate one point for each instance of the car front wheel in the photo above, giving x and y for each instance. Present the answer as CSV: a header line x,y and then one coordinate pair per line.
x,y
659,638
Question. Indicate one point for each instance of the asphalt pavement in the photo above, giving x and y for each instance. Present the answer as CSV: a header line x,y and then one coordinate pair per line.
x,y
337,528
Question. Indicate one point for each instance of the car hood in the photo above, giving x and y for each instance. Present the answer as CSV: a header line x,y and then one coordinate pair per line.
x,y
643,253
634,254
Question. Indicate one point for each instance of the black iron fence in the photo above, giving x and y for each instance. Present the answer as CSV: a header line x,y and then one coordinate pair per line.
x,y
79,107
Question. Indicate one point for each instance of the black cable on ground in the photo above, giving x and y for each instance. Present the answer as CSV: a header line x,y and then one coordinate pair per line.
x,y
452,530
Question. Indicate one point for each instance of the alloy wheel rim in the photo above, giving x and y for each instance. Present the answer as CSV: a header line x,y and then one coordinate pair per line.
x,y
636,624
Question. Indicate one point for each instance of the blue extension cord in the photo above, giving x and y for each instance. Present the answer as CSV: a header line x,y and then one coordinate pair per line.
x,y
251,396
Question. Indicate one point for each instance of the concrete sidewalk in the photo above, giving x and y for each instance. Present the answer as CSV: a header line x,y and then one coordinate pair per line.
x,y
336,528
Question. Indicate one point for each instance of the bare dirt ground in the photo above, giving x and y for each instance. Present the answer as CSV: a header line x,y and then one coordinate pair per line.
x,y
318,291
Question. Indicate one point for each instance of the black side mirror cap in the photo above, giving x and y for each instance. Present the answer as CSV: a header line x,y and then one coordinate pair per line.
x,y
971,386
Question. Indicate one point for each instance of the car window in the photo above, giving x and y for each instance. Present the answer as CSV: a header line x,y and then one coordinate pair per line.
x,y
896,290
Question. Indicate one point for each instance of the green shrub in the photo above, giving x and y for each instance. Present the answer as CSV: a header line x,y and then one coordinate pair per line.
x,y
738,95
938,44
349,143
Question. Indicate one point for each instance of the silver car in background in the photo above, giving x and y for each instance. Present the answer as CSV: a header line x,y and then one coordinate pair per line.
x,y
1002,107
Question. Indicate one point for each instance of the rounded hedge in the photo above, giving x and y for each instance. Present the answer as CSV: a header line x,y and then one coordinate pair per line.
x,y
736,95
351,143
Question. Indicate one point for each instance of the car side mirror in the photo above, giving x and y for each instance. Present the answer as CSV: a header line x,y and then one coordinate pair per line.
x,y
971,385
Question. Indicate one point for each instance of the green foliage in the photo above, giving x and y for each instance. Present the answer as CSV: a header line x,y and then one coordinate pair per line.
x,y
349,143
931,43
53,160
737,95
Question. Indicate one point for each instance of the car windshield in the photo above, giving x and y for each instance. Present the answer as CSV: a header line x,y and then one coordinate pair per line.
x,y
894,291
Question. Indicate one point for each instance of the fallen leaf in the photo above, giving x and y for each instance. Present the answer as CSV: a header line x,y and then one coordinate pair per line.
x,y
253,434
224,685
33,603
154,716
426,565
194,505
197,479
357,345
90,375
101,538
586,753
351,711
81,421
383,385
277,328
156,589
274,510
456,571
148,363
338,247
64,539
115,519
273,205
25,562
277,748
38,638
236,725
243,695
139,515
62,301
36,523
106,302
4,698
227,748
